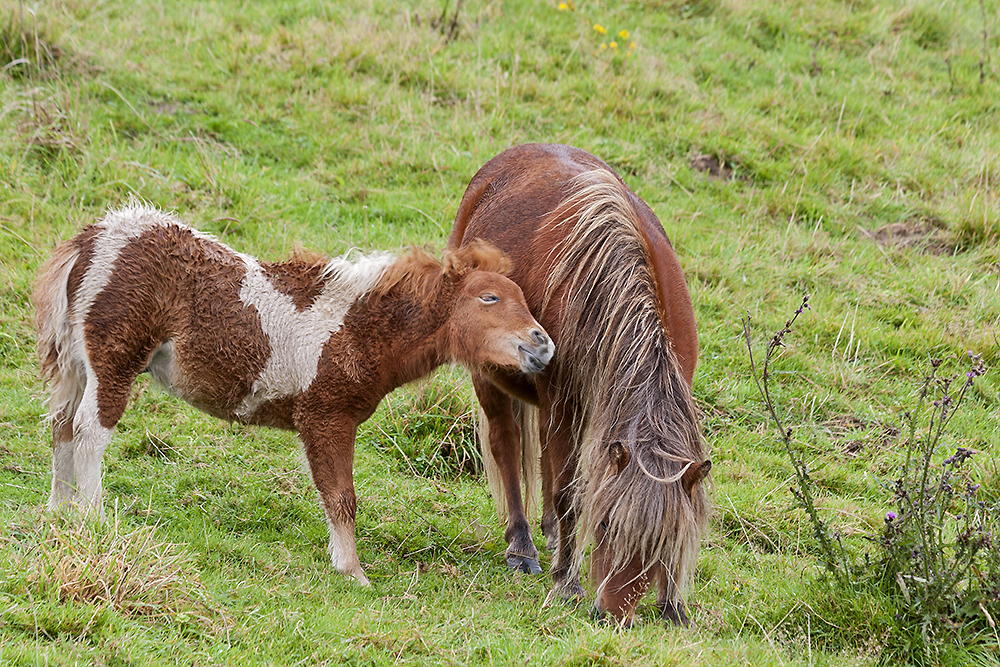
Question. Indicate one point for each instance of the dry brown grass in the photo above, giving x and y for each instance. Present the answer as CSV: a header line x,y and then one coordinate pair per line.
x,y
129,570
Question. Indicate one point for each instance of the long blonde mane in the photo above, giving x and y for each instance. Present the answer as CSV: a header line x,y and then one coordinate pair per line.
x,y
617,365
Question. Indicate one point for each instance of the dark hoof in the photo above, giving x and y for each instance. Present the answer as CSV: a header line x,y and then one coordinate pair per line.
x,y
603,618
674,614
570,594
523,564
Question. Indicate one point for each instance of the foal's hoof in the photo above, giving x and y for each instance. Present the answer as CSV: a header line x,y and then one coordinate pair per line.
x,y
523,564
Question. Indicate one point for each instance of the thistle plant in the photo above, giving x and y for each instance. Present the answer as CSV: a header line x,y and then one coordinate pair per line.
x,y
937,547
936,557
831,548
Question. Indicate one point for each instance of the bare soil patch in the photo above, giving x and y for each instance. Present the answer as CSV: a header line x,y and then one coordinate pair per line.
x,y
712,167
918,234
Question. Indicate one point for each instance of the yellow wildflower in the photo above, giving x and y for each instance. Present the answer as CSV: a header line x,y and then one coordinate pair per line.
x,y
600,29
563,6
632,46
623,34
614,45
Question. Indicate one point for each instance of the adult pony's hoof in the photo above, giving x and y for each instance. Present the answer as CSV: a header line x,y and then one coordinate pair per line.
x,y
674,614
523,564
603,618
570,594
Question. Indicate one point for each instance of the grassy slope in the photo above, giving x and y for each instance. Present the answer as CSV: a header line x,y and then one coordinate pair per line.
x,y
274,125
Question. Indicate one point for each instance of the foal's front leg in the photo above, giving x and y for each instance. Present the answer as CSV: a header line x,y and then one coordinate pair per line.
x,y
329,447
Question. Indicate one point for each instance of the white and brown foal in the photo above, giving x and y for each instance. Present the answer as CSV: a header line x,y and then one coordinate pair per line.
x,y
311,346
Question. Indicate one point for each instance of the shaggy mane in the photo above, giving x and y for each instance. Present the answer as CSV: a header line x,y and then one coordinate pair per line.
x,y
627,380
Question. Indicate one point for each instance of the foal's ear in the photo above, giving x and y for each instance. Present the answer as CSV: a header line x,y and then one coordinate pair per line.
x,y
477,255
619,456
694,475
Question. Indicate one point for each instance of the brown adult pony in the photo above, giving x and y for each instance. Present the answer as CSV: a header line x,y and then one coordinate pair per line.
x,y
620,444
310,346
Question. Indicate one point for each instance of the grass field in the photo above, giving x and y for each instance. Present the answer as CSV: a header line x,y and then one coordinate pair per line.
x,y
848,150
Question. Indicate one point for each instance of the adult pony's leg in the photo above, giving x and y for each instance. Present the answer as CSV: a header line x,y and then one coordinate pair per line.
x,y
328,439
505,445
550,523
560,451
667,600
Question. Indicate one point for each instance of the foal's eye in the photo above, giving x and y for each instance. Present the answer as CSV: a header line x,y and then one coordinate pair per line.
x,y
489,298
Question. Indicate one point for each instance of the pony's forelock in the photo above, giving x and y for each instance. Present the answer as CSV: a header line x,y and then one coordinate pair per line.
x,y
479,255
425,275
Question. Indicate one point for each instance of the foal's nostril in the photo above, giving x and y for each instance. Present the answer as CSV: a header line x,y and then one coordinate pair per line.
x,y
539,336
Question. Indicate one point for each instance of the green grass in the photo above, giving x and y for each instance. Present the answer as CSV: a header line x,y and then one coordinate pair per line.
x,y
859,146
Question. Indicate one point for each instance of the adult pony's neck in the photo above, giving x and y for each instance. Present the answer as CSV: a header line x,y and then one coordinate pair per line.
x,y
625,379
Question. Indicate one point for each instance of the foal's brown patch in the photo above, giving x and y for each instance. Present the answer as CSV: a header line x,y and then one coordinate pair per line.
x,y
145,302
294,279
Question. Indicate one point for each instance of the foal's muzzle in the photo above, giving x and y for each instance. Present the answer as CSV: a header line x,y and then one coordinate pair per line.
x,y
537,352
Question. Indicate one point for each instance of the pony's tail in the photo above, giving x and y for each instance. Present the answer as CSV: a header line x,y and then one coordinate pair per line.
x,y
530,452
54,331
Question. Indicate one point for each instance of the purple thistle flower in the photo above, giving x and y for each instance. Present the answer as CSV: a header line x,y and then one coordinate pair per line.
x,y
890,517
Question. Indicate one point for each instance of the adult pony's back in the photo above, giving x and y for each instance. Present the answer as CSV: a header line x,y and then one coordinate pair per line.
x,y
620,445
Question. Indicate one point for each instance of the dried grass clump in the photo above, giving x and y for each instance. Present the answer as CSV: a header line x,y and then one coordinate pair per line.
x,y
133,572
46,124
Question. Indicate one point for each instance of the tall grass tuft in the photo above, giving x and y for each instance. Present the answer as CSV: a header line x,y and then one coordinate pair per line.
x,y
430,428
936,558
68,562
26,49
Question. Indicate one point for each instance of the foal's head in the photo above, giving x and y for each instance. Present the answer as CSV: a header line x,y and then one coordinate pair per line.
x,y
491,326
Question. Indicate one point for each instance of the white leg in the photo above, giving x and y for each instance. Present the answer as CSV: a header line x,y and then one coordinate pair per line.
x,y
344,552
91,440
63,474
67,390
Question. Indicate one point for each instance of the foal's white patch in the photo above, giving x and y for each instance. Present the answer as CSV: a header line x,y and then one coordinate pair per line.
x,y
344,552
297,337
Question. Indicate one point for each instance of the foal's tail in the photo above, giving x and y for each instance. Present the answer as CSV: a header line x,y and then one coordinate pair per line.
x,y
530,452
54,333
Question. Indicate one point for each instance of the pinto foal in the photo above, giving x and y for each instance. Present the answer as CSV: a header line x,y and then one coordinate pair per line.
x,y
307,346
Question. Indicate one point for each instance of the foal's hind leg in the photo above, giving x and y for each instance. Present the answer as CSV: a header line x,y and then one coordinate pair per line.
x,y
92,431
505,445
66,393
